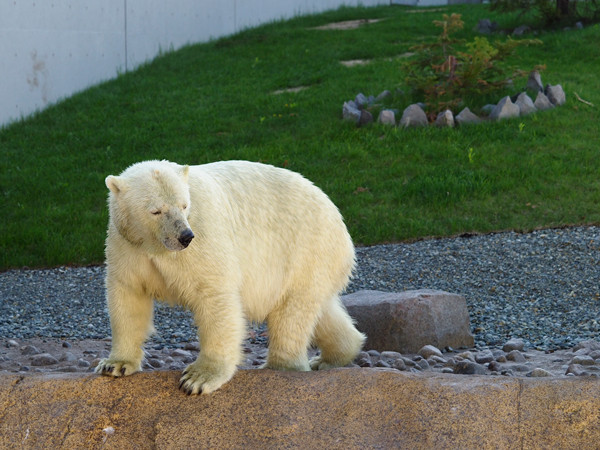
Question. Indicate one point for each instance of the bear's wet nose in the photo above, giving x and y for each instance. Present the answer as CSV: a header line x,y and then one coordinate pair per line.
x,y
186,237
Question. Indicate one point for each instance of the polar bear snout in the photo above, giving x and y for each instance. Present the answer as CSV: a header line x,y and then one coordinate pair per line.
x,y
186,237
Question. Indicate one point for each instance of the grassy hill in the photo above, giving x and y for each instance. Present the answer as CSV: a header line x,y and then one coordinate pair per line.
x,y
216,101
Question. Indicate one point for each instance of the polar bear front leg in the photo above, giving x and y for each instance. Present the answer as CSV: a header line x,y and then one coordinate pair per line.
x,y
131,323
221,327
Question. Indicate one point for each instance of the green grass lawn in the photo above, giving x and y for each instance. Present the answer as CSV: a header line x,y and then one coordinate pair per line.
x,y
214,101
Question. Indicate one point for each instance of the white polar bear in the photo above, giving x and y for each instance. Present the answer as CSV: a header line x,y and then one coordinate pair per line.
x,y
231,241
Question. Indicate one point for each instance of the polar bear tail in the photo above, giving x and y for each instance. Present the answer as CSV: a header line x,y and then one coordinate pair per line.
x,y
336,336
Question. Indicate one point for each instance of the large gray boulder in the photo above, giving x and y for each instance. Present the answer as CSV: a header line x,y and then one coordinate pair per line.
x,y
486,26
542,102
525,104
413,116
466,116
365,118
351,112
361,100
405,322
505,109
555,94
534,82
387,117
445,119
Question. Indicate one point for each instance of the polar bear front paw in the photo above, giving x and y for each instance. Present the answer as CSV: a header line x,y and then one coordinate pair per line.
x,y
202,377
117,368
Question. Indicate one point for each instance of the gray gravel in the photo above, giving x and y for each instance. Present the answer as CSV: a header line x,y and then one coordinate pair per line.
x,y
543,287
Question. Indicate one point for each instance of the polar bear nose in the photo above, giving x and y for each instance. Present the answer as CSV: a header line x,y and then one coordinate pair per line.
x,y
186,237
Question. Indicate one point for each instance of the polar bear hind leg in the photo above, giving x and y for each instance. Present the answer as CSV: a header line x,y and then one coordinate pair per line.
x,y
291,327
336,337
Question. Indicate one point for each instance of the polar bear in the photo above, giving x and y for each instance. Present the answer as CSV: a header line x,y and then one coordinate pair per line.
x,y
232,241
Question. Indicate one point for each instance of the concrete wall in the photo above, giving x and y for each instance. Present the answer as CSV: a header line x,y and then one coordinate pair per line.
x,y
50,49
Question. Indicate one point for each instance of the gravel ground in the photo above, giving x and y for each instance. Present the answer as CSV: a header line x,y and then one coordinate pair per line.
x,y
543,287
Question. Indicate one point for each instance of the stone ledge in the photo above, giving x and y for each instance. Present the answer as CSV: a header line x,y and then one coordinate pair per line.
x,y
342,408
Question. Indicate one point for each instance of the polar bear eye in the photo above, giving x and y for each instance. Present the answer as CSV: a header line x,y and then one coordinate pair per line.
x,y
185,206
156,212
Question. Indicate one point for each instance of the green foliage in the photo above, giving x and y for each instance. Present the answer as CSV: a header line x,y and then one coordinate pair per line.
x,y
553,11
445,75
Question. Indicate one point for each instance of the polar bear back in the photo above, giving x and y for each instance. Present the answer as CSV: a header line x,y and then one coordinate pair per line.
x,y
278,231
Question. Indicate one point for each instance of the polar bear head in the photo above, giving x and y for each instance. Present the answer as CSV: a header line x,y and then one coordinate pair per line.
x,y
149,205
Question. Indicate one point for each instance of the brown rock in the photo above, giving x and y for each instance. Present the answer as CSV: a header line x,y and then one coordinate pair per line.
x,y
405,322
342,408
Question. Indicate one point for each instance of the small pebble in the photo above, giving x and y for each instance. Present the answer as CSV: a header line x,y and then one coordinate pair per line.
x,y
422,364
538,373
438,359
68,357
179,353
365,362
513,344
483,357
194,346
575,369
466,355
430,350
30,350
44,359
516,356
583,360
390,356
469,368
399,364
494,366
382,363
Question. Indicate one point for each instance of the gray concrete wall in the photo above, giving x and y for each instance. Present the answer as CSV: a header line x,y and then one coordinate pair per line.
x,y
52,49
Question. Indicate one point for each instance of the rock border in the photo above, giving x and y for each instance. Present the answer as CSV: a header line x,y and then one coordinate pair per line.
x,y
519,105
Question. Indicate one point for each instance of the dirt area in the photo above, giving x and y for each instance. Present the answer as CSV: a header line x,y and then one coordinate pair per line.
x,y
347,25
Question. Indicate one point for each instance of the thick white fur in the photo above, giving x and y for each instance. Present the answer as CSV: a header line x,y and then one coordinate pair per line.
x,y
268,245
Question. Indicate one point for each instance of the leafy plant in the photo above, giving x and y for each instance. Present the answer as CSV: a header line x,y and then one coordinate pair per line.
x,y
444,75
553,11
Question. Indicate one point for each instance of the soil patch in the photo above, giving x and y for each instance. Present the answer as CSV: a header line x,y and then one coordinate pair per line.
x,y
347,24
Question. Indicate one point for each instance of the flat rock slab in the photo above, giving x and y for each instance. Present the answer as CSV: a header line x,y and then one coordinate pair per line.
x,y
341,408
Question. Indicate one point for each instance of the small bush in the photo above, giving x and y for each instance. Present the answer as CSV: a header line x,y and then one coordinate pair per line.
x,y
553,11
443,75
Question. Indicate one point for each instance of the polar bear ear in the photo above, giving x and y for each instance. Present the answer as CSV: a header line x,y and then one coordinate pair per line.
x,y
115,184
185,170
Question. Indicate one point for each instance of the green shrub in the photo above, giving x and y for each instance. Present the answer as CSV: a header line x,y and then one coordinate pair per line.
x,y
443,75
553,11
